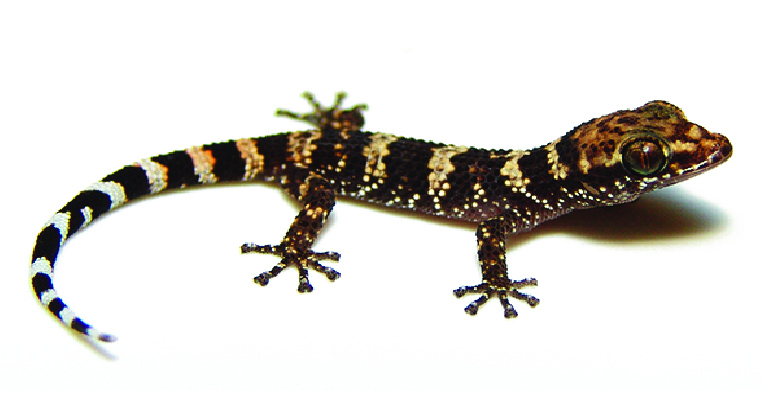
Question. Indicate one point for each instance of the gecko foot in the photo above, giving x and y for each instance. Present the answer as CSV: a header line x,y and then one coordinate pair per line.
x,y
329,117
303,262
488,291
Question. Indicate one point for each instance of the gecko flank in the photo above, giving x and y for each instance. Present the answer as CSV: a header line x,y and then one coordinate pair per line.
x,y
606,161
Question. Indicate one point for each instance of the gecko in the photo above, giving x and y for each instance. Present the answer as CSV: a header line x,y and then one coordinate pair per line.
x,y
606,161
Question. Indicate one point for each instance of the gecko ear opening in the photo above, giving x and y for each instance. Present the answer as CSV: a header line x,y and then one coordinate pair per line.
x,y
646,154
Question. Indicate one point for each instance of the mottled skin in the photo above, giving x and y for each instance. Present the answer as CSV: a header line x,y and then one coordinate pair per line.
x,y
608,160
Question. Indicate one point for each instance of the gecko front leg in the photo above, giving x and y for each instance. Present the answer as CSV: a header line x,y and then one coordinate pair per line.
x,y
491,256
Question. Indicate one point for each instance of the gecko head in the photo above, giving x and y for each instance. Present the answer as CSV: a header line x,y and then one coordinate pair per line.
x,y
628,153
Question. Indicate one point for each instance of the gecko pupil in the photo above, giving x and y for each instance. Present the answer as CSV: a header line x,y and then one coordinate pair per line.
x,y
644,156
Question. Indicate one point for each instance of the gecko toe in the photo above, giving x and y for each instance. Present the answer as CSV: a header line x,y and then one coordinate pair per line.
x,y
303,263
502,292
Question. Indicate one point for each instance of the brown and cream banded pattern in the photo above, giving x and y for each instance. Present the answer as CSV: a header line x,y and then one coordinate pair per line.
x,y
605,161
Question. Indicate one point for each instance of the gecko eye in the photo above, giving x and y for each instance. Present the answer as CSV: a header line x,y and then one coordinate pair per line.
x,y
645,155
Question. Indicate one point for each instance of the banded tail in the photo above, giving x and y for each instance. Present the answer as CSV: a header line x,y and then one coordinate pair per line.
x,y
234,160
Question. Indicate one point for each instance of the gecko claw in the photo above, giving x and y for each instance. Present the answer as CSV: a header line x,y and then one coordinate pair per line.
x,y
303,264
488,291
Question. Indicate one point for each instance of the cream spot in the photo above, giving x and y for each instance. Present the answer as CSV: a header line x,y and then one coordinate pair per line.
x,y
375,152
301,146
203,162
87,213
40,265
512,170
156,173
694,132
441,166
48,296
61,221
114,190
255,162
558,170
67,316
681,146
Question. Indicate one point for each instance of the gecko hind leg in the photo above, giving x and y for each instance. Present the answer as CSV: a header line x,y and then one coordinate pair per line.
x,y
295,247
333,117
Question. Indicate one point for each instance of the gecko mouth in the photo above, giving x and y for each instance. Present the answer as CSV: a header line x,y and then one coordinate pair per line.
x,y
717,150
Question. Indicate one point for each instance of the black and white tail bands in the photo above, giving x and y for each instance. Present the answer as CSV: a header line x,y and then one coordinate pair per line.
x,y
239,161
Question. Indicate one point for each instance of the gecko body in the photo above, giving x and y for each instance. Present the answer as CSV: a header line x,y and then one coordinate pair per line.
x,y
608,160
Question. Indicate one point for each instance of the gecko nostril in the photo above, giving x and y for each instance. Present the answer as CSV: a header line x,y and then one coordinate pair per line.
x,y
721,150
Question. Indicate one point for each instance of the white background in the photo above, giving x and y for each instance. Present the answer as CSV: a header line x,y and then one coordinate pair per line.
x,y
666,306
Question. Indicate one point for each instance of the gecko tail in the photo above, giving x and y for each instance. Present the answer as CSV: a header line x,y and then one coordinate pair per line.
x,y
197,165
44,289
106,338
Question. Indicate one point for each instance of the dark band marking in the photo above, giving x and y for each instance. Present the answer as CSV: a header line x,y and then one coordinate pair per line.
x,y
181,171
229,164
41,283
132,179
